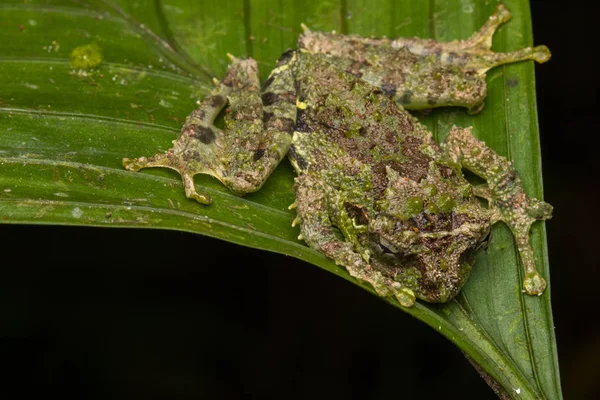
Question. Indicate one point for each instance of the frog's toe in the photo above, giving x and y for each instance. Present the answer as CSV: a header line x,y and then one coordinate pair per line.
x,y
190,190
476,109
540,54
502,13
405,297
537,209
305,28
534,284
232,58
134,165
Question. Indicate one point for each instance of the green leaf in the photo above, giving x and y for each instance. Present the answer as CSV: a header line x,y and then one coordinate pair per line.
x,y
63,134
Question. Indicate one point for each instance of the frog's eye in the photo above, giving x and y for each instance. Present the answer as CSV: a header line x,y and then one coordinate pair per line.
x,y
387,247
385,250
483,243
357,213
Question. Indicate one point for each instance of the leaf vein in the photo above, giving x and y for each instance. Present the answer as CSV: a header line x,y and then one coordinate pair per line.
x,y
158,179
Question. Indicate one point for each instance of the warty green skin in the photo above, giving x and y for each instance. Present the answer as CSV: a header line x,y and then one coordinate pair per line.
x,y
374,192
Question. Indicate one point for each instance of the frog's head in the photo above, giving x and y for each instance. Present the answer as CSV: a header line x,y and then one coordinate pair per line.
x,y
426,237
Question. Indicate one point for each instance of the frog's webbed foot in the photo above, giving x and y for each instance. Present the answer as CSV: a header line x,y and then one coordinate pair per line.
x,y
505,194
313,202
458,67
483,37
474,53
166,160
477,48
256,137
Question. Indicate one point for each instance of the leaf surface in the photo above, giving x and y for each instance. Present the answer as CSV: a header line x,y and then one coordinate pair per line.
x,y
63,134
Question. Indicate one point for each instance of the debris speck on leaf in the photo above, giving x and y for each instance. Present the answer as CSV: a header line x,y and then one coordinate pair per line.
x,y
77,212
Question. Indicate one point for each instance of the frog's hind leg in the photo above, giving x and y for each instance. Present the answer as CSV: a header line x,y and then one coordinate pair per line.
x,y
453,73
314,203
474,53
506,196
256,136
483,37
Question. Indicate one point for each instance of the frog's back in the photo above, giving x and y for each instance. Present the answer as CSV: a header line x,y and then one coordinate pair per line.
x,y
348,131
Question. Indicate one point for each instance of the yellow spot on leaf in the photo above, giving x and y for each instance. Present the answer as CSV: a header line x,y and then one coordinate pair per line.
x,y
86,57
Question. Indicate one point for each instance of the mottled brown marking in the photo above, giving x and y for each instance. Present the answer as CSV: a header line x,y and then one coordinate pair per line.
x,y
285,57
429,223
389,89
267,116
406,97
199,114
281,124
270,98
355,73
508,180
416,165
356,67
216,101
301,120
460,219
379,179
190,130
268,83
293,155
258,154
228,80
205,135
445,171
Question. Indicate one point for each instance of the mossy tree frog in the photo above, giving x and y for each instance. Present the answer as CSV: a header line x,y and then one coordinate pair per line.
x,y
374,192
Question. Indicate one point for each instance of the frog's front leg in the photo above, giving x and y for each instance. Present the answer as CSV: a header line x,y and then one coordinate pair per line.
x,y
257,134
315,201
505,194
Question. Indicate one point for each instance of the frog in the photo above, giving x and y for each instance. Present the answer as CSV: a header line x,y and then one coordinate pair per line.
x,y
374,191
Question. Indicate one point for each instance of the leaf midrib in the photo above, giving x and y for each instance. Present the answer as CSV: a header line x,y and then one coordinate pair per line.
x,y
179,213
156,178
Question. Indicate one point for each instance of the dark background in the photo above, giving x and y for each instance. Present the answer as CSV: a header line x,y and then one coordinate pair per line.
x,y
87,313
